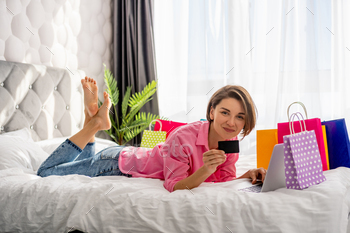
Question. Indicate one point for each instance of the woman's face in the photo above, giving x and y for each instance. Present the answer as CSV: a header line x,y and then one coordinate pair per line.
x,y
229,118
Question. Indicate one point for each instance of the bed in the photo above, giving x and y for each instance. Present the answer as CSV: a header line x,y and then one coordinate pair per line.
x,y
41,106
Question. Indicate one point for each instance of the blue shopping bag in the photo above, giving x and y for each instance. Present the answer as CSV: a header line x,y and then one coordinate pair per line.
x,y
338,143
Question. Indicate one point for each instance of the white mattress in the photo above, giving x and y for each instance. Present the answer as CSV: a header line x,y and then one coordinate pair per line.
x,y
29,203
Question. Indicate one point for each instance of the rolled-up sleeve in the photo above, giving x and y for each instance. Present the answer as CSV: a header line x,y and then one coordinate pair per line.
x,y
176,162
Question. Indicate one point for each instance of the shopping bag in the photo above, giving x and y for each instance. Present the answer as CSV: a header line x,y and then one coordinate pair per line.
x,y
303,166
338,143
151,138
311,124
325,145
167,126
265,141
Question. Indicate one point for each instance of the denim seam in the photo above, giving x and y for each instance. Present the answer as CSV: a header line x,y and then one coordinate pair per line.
x,y
106,157
74,146
110,171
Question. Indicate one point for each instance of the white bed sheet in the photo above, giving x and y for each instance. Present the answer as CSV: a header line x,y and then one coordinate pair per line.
x,y
29,203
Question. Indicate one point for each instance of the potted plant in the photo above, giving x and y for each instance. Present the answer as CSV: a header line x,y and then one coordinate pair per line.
x,y
130,122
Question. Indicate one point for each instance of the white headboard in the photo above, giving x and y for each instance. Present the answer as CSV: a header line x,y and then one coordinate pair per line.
x,y
47,100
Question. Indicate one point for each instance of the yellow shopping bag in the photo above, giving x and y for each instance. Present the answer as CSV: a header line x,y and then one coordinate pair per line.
x,y
325,144
151,138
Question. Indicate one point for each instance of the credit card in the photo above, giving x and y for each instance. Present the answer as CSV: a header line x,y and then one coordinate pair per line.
x,y
229,146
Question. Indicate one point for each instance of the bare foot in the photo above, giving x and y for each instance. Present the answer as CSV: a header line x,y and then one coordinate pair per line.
x,y
102,116
90,96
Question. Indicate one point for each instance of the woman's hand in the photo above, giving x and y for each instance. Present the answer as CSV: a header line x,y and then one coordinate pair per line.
x,y
212,159
255,174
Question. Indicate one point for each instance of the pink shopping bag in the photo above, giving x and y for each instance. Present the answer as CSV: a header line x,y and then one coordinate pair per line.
x,y
311,124
303,166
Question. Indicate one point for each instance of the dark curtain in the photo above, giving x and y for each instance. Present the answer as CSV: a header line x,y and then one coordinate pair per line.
x,y
134,55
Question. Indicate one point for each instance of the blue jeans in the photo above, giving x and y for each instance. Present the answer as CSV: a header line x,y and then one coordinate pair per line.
x,y
68,158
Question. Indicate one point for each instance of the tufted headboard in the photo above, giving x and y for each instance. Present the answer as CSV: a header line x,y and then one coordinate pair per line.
x,y
47,100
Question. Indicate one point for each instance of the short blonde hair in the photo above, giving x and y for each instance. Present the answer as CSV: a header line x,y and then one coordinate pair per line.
x,y
241,94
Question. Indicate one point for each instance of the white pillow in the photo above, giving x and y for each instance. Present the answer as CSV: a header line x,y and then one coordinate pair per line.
x,y
23,133
19,151
49,145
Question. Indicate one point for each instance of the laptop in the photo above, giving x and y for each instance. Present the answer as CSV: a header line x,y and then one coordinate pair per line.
x,y
275,177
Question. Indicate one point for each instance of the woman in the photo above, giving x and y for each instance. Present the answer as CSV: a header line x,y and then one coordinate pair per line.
x,y
187,158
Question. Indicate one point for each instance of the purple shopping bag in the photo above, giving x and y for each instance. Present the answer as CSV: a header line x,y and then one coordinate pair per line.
x,y
302,160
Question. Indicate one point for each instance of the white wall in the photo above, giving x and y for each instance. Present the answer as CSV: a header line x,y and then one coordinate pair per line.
x,y
71,34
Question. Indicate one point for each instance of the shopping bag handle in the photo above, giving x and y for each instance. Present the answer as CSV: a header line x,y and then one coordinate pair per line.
x,y
302,105
291,125
160,123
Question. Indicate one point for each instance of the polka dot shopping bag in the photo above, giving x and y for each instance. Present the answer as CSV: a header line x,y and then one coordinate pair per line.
x,y
302,161
151,138
311,124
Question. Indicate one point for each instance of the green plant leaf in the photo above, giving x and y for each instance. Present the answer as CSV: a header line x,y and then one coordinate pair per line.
x,y
147,92
138,100
125,102
141,123
112,88
128,128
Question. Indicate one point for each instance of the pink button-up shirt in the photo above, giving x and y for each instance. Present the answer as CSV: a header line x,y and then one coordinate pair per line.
x,y
179,157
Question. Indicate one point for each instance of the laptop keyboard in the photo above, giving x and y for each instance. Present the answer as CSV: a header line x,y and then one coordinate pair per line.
x,y
252,189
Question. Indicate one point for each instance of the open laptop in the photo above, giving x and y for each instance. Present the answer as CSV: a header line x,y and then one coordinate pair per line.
x,y
275,177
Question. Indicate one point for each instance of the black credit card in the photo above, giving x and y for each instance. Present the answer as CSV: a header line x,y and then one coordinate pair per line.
x,y
229,146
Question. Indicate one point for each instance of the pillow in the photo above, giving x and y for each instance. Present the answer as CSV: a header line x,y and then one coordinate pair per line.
x,y
17,151
167,126
49,145
23,133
